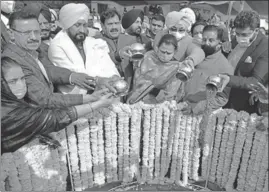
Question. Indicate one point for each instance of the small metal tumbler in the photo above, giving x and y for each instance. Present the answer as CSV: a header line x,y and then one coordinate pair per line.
x,y
121,86
214,83
184,73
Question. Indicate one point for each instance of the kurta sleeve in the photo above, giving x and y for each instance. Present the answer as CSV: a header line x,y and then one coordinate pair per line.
x,y
196,53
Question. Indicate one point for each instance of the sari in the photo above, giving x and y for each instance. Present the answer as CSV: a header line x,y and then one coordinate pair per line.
x,y
155,81
21,121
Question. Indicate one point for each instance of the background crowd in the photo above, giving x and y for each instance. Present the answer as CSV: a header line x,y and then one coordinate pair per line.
x,y
58,67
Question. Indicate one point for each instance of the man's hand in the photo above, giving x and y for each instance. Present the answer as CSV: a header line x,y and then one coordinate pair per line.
x,y
227,46
125,52
253,99
82,80
226,80
103,82
105,101
189,62
260,91
187,110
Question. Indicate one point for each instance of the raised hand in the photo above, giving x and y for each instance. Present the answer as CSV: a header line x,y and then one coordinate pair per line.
x,y
82,80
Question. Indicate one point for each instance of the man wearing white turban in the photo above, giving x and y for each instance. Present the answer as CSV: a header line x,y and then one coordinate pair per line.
x,y
72,48
177,24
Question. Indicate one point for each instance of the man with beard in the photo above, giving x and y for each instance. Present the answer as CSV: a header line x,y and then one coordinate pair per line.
x,y
132,23
73,49
213,64
110,22
40,79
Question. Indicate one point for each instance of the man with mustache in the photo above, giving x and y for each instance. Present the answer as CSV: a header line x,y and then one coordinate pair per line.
x,y
110,22
73,49
132,23
40,78
214,63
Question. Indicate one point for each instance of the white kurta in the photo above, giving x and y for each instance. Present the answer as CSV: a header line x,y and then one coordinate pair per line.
x,y
63,53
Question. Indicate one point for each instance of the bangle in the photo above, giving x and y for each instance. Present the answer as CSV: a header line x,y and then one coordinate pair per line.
x,y
70,80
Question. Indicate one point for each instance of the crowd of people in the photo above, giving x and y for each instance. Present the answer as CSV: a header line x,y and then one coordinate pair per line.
x,y
57,68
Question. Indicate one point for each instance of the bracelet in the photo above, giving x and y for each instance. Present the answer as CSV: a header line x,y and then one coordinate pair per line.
x,y
70,80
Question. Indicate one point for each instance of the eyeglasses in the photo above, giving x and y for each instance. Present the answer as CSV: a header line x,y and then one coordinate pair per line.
x,y
28,33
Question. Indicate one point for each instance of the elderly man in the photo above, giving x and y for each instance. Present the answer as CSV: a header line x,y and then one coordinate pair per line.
x,y
178,24
26,37
73,49
110,22
249,57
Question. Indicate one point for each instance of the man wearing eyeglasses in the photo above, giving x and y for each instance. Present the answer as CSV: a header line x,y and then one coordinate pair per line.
x,y
25,35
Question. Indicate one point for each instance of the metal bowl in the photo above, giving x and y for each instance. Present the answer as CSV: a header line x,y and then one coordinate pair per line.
x,y
137,51
214,83
184,73
121,86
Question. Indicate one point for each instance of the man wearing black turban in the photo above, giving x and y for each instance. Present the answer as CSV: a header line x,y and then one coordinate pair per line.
x,y
132,23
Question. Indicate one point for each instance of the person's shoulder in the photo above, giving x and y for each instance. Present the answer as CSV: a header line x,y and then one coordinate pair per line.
x,y
59,38
226,65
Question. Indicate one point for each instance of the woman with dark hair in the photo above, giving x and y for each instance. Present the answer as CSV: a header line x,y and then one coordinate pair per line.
x,y
155,81
22,121
197,32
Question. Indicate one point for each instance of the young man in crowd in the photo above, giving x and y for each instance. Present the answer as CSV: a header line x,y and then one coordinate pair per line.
x,y
156,25
25,35
213,64
249,57
73,49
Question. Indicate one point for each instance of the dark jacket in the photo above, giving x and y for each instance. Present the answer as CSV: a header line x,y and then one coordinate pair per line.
x,y
248,73
40,90
4,36
113,52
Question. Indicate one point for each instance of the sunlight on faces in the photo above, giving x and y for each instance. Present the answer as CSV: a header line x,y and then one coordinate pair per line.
x,y
26,34
112,27
45,27
79,31
15,79
136,27
156,26
166,52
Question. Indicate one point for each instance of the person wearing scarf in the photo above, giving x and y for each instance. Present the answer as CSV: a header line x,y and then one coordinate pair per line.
x,y
22,120
73,49
178,24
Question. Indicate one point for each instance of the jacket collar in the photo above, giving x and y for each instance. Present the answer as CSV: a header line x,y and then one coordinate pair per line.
x,y
20,51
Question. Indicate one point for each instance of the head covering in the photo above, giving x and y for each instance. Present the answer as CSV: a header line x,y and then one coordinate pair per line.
x,y
21,121
189,13
172,18
7,6
37,9
130,17
54,16
71,13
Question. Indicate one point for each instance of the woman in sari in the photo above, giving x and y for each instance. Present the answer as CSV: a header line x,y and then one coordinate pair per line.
x,y
22,121
155,80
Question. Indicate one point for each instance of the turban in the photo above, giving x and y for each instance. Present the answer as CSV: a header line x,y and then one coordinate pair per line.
x,y
54,16
130,17
190,15
71,13
7,6
37,9
172,18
